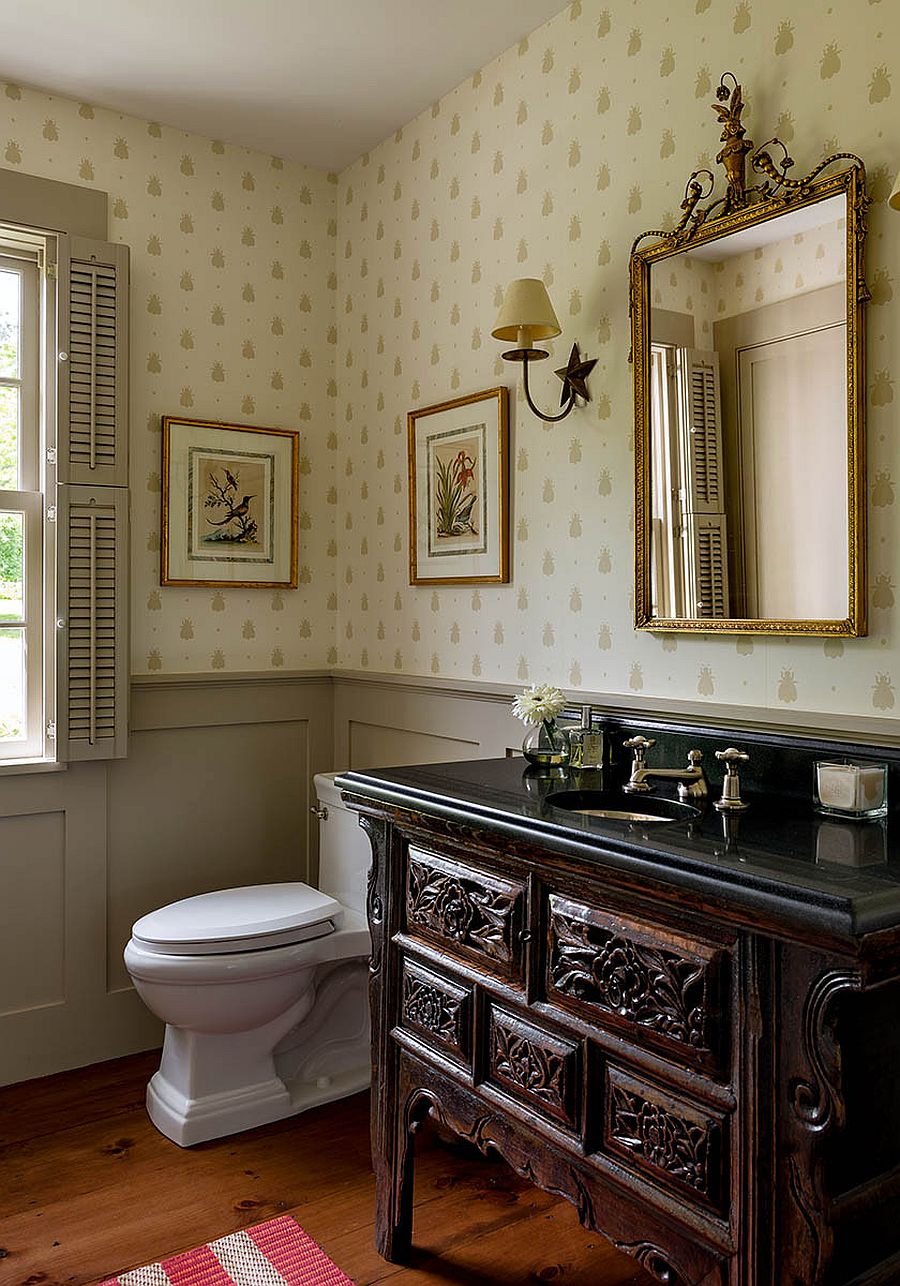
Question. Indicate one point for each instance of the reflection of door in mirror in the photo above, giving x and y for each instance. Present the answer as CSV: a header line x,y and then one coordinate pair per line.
x,y
748,409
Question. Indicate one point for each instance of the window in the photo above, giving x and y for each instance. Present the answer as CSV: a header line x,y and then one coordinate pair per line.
x,y
25,660
63,497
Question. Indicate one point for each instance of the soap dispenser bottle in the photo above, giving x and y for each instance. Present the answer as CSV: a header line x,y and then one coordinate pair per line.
x,y
586,742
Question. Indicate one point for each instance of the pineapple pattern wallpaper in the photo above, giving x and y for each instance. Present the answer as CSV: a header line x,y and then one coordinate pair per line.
x,y
268,292
547,163
232,309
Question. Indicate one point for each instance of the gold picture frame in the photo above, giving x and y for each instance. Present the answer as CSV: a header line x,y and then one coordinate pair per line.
x,y
216,531
459,491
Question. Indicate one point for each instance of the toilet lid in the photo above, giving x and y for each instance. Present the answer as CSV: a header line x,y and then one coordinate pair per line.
x,y
246,919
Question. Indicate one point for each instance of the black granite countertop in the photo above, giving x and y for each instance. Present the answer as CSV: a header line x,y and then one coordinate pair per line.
x,y
804,869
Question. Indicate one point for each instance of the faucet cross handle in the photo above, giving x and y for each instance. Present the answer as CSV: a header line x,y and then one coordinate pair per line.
x,y
640,746
731,801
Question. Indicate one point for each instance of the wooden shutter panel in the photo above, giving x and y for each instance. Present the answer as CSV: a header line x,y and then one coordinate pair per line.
x,y
92,341
93,654
708,565
703,484
703,473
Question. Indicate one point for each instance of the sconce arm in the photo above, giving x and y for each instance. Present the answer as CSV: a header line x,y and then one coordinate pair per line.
x,y
550,419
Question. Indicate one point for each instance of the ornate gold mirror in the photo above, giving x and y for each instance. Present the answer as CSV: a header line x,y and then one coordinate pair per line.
x,y
749,384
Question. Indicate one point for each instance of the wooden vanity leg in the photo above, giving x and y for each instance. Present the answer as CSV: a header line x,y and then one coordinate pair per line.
x,y
394,1171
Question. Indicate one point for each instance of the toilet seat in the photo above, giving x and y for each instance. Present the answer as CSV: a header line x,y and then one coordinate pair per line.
x,y
241,919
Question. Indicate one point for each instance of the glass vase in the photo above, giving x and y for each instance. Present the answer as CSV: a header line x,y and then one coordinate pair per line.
x,y
546,745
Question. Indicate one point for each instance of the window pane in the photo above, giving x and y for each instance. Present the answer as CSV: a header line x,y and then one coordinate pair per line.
x,y
10,320
9,437
12,567
12,685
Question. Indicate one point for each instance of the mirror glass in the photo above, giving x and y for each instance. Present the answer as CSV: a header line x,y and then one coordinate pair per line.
x,y
748,483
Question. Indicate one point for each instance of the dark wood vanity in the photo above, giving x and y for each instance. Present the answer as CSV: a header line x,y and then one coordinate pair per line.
x,y
692,1031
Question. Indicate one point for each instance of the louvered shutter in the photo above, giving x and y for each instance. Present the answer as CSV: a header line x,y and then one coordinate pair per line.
x,y
92,342
702,447
703,489
93,650
708,565
92,642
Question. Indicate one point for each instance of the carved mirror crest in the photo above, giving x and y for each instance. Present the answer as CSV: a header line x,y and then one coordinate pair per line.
x,y
747,343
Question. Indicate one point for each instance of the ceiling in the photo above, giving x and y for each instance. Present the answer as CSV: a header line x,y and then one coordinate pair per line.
x,y
319,81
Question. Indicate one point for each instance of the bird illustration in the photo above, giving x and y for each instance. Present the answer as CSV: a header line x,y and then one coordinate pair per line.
x,y
239,511
232,480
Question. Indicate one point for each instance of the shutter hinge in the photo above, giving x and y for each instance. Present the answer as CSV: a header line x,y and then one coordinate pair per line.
x,y
51,513
50,271
51,455
51,730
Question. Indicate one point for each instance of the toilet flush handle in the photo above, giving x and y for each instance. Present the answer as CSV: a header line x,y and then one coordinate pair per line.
x,y
321,813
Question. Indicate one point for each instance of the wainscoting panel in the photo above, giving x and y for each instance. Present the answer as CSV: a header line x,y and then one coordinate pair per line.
x,y
32,966
193,809
215,791
380,721
371,745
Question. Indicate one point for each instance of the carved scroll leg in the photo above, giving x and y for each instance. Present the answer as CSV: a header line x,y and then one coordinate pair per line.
x,y
394,1193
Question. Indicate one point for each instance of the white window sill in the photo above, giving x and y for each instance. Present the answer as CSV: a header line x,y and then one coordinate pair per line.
x,y
9,767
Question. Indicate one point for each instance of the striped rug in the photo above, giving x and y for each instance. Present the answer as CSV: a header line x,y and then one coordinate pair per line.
x,y
277,1253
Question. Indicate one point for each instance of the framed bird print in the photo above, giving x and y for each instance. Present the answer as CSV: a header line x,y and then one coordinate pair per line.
x,y
229,504
459,491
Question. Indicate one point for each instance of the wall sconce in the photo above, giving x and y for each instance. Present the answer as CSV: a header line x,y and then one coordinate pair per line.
x,y
526,317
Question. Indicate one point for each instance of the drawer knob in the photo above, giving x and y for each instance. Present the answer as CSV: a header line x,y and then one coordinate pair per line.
x,y
524,935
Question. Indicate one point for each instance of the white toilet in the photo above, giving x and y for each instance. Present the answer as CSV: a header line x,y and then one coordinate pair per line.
x,y
263,990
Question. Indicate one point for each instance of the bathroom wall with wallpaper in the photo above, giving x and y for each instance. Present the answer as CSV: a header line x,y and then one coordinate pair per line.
x,y
548,162
233,276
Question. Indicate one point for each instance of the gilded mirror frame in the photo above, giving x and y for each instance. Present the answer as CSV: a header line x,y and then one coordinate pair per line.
x,y
739,208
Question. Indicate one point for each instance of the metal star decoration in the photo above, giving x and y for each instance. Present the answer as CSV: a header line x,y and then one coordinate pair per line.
x,y
574,376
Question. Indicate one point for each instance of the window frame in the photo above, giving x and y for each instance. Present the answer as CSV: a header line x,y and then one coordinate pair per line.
x,y
28,254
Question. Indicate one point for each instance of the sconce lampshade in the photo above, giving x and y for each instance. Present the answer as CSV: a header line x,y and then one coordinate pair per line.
x,y
526,308
894,199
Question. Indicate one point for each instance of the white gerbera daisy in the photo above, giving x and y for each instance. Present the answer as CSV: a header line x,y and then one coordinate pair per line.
x,y
540,703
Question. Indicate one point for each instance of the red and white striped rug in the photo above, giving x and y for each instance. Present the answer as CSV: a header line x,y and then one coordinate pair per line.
x,y
277,1253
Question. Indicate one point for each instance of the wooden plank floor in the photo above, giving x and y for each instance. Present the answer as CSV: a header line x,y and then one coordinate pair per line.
x,y
88,1188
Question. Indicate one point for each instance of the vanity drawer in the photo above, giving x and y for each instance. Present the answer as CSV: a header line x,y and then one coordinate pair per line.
x,y
468,912
662,1137
533,1066
437,1011
659,988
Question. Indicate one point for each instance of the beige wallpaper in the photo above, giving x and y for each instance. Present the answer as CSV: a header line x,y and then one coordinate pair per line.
x,y
548,163
710,290
232,260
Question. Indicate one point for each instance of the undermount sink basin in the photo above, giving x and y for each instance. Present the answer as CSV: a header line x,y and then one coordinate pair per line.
x,y
596,803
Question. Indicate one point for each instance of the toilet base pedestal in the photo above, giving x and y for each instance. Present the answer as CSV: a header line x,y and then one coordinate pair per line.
x,y
190,1121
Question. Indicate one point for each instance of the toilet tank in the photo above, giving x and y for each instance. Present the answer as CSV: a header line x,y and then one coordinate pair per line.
x,y
344,851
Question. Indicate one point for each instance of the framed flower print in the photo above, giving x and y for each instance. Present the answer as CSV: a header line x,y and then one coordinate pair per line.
x,y
229,504
459,491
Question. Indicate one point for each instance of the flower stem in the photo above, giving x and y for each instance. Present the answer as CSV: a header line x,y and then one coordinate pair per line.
x,y
549,728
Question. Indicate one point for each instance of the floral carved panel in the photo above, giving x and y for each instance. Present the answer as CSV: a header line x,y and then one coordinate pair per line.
x,y
475,914
662,1135
669,989
436,1008
533,1065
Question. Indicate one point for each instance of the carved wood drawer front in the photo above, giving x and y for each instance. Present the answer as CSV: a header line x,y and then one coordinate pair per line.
x,y
437,1010
661,1136
656,986
533,1066
467,911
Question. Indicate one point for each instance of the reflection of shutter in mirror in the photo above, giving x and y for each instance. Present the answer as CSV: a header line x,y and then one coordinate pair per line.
x,y
703,496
